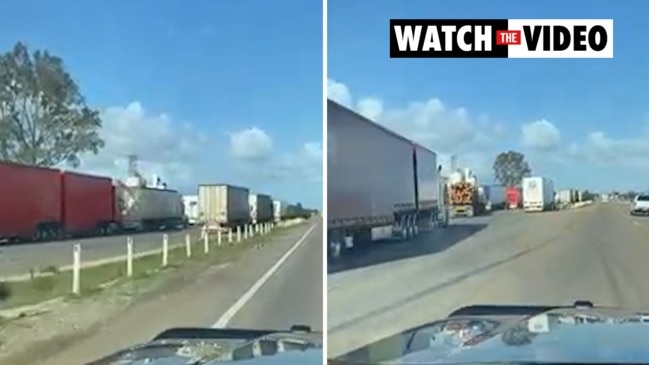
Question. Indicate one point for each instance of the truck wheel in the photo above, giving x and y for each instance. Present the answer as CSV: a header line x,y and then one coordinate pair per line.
x,y
415,226
403,229
411,228
335,249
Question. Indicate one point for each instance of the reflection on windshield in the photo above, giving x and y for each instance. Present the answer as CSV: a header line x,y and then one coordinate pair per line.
x,y
441,340
203,352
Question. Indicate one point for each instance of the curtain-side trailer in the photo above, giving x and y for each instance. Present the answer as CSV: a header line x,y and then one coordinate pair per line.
x,y
31,201
376,178
145,208
48,204
89,206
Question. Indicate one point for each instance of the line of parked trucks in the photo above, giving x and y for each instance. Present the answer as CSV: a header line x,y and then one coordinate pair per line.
x,y
38,204
220,205
379,179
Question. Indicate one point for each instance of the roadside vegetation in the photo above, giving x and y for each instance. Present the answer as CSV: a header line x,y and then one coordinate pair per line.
x,y
50,283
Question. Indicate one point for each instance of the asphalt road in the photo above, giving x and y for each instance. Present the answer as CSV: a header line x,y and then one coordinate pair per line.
x,y
290,294
18,259
599,253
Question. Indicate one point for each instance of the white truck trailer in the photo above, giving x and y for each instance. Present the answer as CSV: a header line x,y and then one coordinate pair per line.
x,y
538,194
566,196
191,208
280,210
223,205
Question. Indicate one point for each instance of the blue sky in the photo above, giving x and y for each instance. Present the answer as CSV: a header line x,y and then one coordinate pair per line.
x,y
193,74
595,131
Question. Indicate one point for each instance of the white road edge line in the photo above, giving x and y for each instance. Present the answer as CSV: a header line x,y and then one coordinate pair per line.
x,y
236,307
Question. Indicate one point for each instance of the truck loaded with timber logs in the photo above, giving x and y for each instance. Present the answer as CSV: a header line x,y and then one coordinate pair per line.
x,y
465,198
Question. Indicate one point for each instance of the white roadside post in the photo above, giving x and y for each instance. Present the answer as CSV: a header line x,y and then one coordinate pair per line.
x,y
245,232
238,233
76,268
206,243
230,235
129,256
188,246
165,250
219,237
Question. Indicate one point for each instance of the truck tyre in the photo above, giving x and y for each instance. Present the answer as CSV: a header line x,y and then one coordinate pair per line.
x,y
415,226
469,212
335,250
403,228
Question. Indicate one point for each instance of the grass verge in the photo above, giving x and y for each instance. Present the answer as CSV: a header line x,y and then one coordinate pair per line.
x,y
56,284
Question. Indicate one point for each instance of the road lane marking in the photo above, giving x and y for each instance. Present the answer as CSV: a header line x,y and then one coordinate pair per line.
x,y
241,302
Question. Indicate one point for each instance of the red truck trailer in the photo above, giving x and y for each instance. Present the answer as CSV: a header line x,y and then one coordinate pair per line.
x,y
30,202
376,178
89,204
514,197
40,203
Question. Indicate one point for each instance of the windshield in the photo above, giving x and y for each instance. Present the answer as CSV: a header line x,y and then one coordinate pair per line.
x,y
271,348
454,179
160,168
551,336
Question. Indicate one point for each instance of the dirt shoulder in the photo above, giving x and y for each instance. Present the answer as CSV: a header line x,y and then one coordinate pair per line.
x,y
75,331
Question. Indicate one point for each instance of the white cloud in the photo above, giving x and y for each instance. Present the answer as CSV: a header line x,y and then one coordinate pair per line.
x,y
432,123
251,144
371,108
162,146
177,151
339,93
253,149
602,150
541,135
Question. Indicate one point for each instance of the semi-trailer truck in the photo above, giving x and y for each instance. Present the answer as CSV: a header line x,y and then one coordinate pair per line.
x,y
261,208
377,178
44,204
495,196
538,194
223,206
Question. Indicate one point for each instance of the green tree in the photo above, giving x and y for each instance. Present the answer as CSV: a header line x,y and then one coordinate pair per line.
x,y
44,119
510,168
